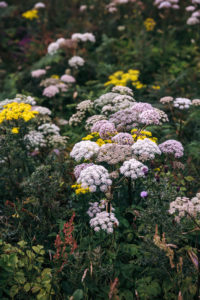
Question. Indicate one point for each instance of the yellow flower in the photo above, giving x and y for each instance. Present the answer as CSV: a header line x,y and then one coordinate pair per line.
x,y
55,76
15,111
155,87
30,14
142,135
15,130
79,189
149,24
121,78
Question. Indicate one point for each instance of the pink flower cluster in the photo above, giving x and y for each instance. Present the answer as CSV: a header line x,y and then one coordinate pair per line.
x,y
38,73
167,4
172,147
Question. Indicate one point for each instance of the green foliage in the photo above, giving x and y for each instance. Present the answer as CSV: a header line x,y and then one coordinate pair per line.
x,y
23,272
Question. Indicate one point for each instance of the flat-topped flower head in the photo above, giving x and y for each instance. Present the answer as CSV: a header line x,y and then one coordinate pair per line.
x,y
42,110
104,221
123,138
76,61
145,149
166,99
68,78
153,117
139,107
134,169
124,119
113,153
38,73
96,126
92,120
50,91
182,103
124,90
84,150
83,37
95,177
196,102
172,147
79,168
107,130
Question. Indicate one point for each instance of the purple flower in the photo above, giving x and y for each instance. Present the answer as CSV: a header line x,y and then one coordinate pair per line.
x,y
172,147
56,151
143,194
145,170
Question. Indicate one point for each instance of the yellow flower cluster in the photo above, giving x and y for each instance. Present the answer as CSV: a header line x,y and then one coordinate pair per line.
x,y
79,189
30,14
149,24
121,78
141,135
155,87
95,137
15,130
15,111
55,76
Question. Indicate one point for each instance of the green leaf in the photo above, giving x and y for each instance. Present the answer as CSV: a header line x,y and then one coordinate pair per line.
x,y
27,287
126,295
14,290
38,249
78,294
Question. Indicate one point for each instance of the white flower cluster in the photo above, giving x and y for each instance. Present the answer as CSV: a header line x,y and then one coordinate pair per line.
x,y
84,149
35,140
184,206
46,135
182,103
166,99
85,105
92,120
145,149
167,4
42,110
196,102
105,221
39,5
81,110
133,168
95,177
53,47
123,90
19,99
83,37
48,128
96,207
195,13
76,61
110,103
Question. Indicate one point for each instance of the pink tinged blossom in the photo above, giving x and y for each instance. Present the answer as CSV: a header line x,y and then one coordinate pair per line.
x,y
97,125
150,117
139,107
79,168
68,78
107,130
165,4
192,21
3,4
123,139
50,91
190,8
38,73
172,147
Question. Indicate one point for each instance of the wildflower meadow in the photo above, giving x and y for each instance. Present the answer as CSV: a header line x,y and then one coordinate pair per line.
x,y
100,150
